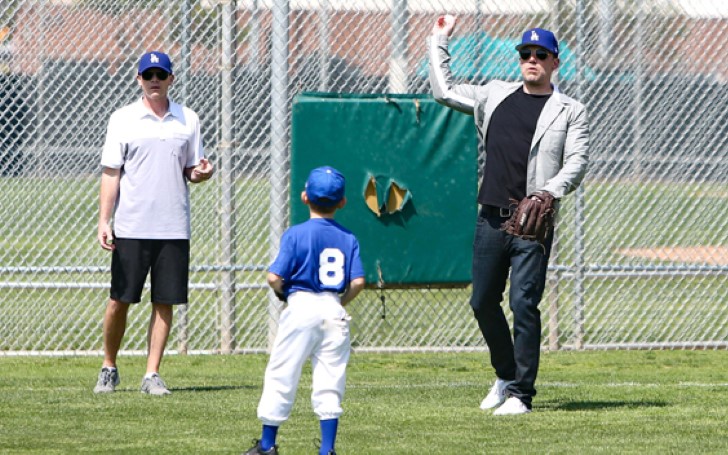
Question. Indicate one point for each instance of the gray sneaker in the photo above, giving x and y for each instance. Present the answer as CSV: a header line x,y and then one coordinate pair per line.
x,y
154,386
108,380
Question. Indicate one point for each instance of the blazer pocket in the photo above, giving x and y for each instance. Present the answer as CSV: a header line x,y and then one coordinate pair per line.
x,y
554,138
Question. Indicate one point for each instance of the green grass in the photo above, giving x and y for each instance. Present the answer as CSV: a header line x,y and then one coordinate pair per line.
x,y
588,402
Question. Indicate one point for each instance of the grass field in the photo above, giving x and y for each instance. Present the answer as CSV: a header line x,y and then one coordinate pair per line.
x,y
604,402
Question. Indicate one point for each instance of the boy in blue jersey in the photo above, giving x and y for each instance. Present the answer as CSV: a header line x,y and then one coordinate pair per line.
x,y
318,270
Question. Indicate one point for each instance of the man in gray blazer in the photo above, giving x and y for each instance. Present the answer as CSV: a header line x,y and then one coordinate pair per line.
x,y
533,138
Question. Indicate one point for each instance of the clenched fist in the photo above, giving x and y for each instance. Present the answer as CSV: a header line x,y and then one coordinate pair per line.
x,y
444,25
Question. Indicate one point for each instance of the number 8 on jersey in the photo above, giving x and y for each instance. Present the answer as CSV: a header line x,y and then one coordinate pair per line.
x,y
331,267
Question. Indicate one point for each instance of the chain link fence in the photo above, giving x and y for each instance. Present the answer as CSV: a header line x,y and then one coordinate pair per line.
x,y
641,257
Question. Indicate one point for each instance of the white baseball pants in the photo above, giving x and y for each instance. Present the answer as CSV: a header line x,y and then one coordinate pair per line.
x,y
313,326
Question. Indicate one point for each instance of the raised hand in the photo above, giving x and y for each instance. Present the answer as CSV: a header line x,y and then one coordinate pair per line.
x,y
444,25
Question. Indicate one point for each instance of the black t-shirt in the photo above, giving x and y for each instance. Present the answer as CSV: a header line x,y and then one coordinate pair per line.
x,y
508,144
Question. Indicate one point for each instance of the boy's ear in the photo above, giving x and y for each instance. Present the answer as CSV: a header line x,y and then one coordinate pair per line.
x,y
341,203
304,197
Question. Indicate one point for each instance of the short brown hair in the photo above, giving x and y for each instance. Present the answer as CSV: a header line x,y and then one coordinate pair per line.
x,y
321,209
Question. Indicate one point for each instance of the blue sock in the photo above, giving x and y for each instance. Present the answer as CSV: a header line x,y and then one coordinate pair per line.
x,y
328,435
268,439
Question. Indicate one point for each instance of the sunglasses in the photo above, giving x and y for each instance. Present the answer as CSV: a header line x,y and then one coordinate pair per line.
x,y
161,75
541,54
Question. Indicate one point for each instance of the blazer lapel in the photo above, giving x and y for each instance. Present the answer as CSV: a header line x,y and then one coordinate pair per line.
x,y
551,110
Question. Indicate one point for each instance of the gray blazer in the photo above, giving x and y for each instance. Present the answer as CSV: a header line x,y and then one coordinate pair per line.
x,y
559,150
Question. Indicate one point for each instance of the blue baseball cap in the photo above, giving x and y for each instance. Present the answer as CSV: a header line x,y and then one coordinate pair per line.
x,y
540,37
325,186
155,59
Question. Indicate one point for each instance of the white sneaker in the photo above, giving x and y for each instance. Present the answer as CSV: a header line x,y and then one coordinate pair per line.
x,y
512,406
496,396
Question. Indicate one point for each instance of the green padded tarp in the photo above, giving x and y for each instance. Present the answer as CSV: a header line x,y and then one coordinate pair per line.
x,y
411,181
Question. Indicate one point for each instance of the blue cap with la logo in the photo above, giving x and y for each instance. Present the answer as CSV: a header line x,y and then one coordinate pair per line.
x,y
155,59
540,37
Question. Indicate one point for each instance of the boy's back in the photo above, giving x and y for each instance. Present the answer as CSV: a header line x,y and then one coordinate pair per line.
x,y
318,255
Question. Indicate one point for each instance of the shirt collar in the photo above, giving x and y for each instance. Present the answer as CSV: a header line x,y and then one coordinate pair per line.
x,y
174,109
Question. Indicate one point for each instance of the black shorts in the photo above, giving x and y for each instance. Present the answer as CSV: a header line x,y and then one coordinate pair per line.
x,y
168,261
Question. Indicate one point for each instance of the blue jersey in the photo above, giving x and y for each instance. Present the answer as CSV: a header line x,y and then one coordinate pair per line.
x,y
319,255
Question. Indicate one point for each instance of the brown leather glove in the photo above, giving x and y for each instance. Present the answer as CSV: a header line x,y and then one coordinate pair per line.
x,y
533,218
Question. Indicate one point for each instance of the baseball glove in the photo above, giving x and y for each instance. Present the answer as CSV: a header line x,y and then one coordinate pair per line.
x,y
281,296
533,218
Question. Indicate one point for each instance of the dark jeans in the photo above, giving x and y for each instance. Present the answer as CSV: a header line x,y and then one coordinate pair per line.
x,y
494,253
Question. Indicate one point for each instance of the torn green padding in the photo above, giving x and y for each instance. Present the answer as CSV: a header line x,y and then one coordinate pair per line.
x,y
383,195
397,198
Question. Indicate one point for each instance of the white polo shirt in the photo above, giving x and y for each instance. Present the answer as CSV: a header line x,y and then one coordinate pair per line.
x,y
152,153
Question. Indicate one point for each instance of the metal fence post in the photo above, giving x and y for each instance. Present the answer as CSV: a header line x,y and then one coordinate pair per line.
x,y
182,75
227,304
553,298
639,143
398,60
279,143
557,11
324,46
579,196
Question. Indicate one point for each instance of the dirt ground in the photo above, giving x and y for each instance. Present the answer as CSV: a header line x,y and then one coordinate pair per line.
x,y
713,255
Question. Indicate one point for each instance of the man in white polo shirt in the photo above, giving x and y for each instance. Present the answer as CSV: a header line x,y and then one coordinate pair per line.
x,y
153,147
